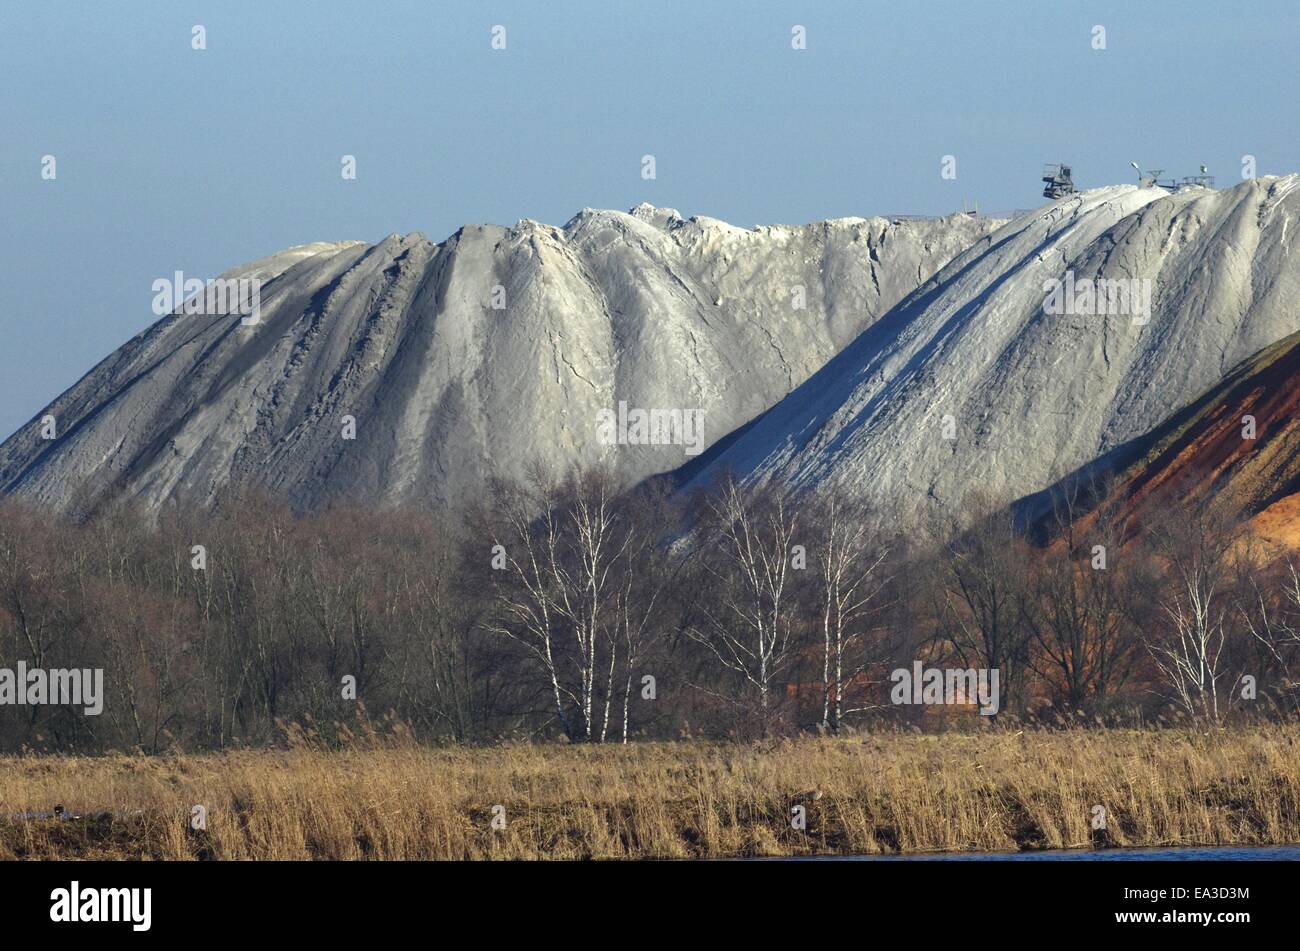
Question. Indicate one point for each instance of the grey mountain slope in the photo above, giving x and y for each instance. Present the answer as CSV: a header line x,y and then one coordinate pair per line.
x,y
446,391
1033,396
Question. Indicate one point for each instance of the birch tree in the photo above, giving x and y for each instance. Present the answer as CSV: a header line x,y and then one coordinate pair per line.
x,y
1271,613
570,597
749,631
1190,649
850,566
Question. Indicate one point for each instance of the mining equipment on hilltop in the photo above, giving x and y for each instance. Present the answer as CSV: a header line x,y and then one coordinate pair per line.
x,y
1151,179
1058,181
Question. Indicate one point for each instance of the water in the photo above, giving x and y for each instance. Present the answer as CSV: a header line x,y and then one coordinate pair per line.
x,y
1232,853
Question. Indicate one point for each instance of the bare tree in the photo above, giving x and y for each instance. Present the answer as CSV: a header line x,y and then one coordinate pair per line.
x,y
1191,648
849,559
1080,608
566,595
749,631
979,609
436,632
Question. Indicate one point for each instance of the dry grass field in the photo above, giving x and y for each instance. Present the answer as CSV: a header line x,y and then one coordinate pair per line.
x,y
997,790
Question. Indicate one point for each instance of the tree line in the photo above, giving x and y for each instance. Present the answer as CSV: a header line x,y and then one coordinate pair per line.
x,y
565,608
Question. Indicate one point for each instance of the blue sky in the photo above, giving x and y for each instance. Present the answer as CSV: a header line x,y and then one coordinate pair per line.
x,y
172,159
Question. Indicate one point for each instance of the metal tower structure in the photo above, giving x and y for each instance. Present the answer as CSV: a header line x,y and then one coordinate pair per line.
x,y
1057,181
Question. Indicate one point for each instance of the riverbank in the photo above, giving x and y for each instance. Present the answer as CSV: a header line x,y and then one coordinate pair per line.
x,y
995,791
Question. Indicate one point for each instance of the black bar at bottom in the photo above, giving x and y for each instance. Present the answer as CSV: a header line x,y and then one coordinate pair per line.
x,y
941,900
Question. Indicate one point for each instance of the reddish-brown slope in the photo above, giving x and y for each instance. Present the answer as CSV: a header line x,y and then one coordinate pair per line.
x,y
1206,448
